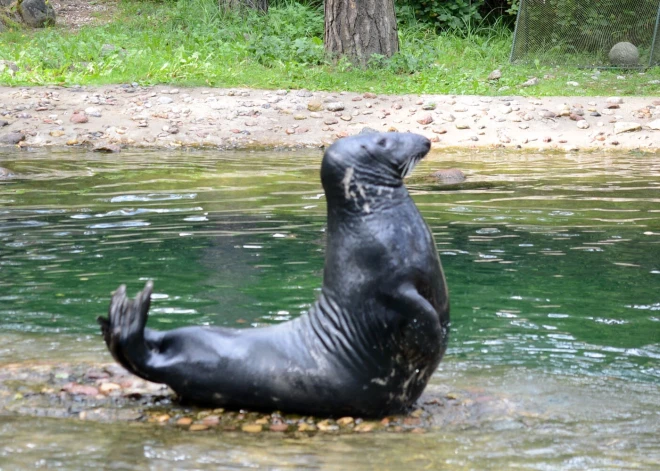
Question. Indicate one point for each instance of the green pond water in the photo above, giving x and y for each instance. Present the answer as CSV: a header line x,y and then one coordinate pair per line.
x,y
552,261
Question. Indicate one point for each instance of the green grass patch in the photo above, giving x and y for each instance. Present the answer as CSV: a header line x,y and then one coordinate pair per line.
x,y
190,42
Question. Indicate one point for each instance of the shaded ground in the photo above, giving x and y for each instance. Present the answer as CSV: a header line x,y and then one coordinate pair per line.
x,y
72,14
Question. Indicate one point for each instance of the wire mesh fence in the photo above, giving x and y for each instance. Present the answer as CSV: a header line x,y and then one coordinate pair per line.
x,y
588,33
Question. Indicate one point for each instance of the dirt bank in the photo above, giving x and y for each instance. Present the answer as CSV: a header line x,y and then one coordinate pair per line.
x,y
119,116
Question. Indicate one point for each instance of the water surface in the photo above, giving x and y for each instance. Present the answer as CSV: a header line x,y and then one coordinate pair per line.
x,y
553,264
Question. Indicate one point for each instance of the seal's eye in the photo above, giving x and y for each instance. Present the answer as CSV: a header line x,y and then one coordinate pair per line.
x,y
382,141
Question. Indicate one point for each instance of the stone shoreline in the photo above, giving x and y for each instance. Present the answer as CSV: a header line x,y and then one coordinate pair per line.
x,y
107,393
114,117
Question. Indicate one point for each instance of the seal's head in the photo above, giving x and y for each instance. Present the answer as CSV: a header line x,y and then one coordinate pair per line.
x,y
382,159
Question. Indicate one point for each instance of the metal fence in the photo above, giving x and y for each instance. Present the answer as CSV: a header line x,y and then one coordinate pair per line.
x,y
588,33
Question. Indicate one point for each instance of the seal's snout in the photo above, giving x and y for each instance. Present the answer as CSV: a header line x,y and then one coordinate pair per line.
x,y
410,149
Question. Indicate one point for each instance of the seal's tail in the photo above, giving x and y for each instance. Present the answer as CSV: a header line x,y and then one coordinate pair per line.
x,y
124,328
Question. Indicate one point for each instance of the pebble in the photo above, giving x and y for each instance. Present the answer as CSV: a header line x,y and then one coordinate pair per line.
x,y
327,426
426,119
79,118
12,138
165,100
330,121
614,100
369,95
529,83
365,427
624,126
106,388
462,126
305,427
345,421
335,106
428,106
655,125
91,111
582,124
495,75
109,148
198,427
315,105
80,389
572,83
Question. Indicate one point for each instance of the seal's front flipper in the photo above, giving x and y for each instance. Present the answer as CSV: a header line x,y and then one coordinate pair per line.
x,y
124,330
421,321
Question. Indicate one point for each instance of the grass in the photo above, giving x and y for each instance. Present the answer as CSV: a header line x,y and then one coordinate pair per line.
x,y
189,42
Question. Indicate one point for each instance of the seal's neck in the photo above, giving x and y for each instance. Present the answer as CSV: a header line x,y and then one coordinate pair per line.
x,y
358,194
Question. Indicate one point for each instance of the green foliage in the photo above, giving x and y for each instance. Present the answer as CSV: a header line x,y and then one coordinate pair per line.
x,y
189,42
590,26
445,14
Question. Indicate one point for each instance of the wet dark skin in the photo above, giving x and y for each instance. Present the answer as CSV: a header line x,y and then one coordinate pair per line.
x,y
369,344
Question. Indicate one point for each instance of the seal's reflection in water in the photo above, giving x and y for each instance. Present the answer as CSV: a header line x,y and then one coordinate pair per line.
x,y
372,340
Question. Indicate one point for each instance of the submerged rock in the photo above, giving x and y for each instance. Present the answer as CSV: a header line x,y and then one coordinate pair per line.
x,y
450,175
5,173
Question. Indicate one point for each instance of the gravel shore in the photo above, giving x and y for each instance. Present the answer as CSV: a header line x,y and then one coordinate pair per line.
x,y
114,117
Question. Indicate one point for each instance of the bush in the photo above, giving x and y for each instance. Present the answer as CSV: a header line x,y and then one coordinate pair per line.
x,y
445,14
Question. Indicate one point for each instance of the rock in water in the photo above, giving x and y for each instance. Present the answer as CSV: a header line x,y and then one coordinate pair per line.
x,y
5,173
450,175
624,54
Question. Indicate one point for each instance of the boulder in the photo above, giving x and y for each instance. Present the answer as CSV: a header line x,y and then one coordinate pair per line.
x,y
36,13
624,54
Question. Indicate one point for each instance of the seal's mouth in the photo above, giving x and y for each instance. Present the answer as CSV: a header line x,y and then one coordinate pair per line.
x,y
408,166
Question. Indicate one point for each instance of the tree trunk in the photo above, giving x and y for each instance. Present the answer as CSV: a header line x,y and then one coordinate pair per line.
x,y
356,29
226,5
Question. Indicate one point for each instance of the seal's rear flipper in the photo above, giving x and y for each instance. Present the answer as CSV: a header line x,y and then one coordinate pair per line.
x,y
124,329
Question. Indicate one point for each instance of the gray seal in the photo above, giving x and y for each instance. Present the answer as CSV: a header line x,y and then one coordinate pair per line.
x,y
369,344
